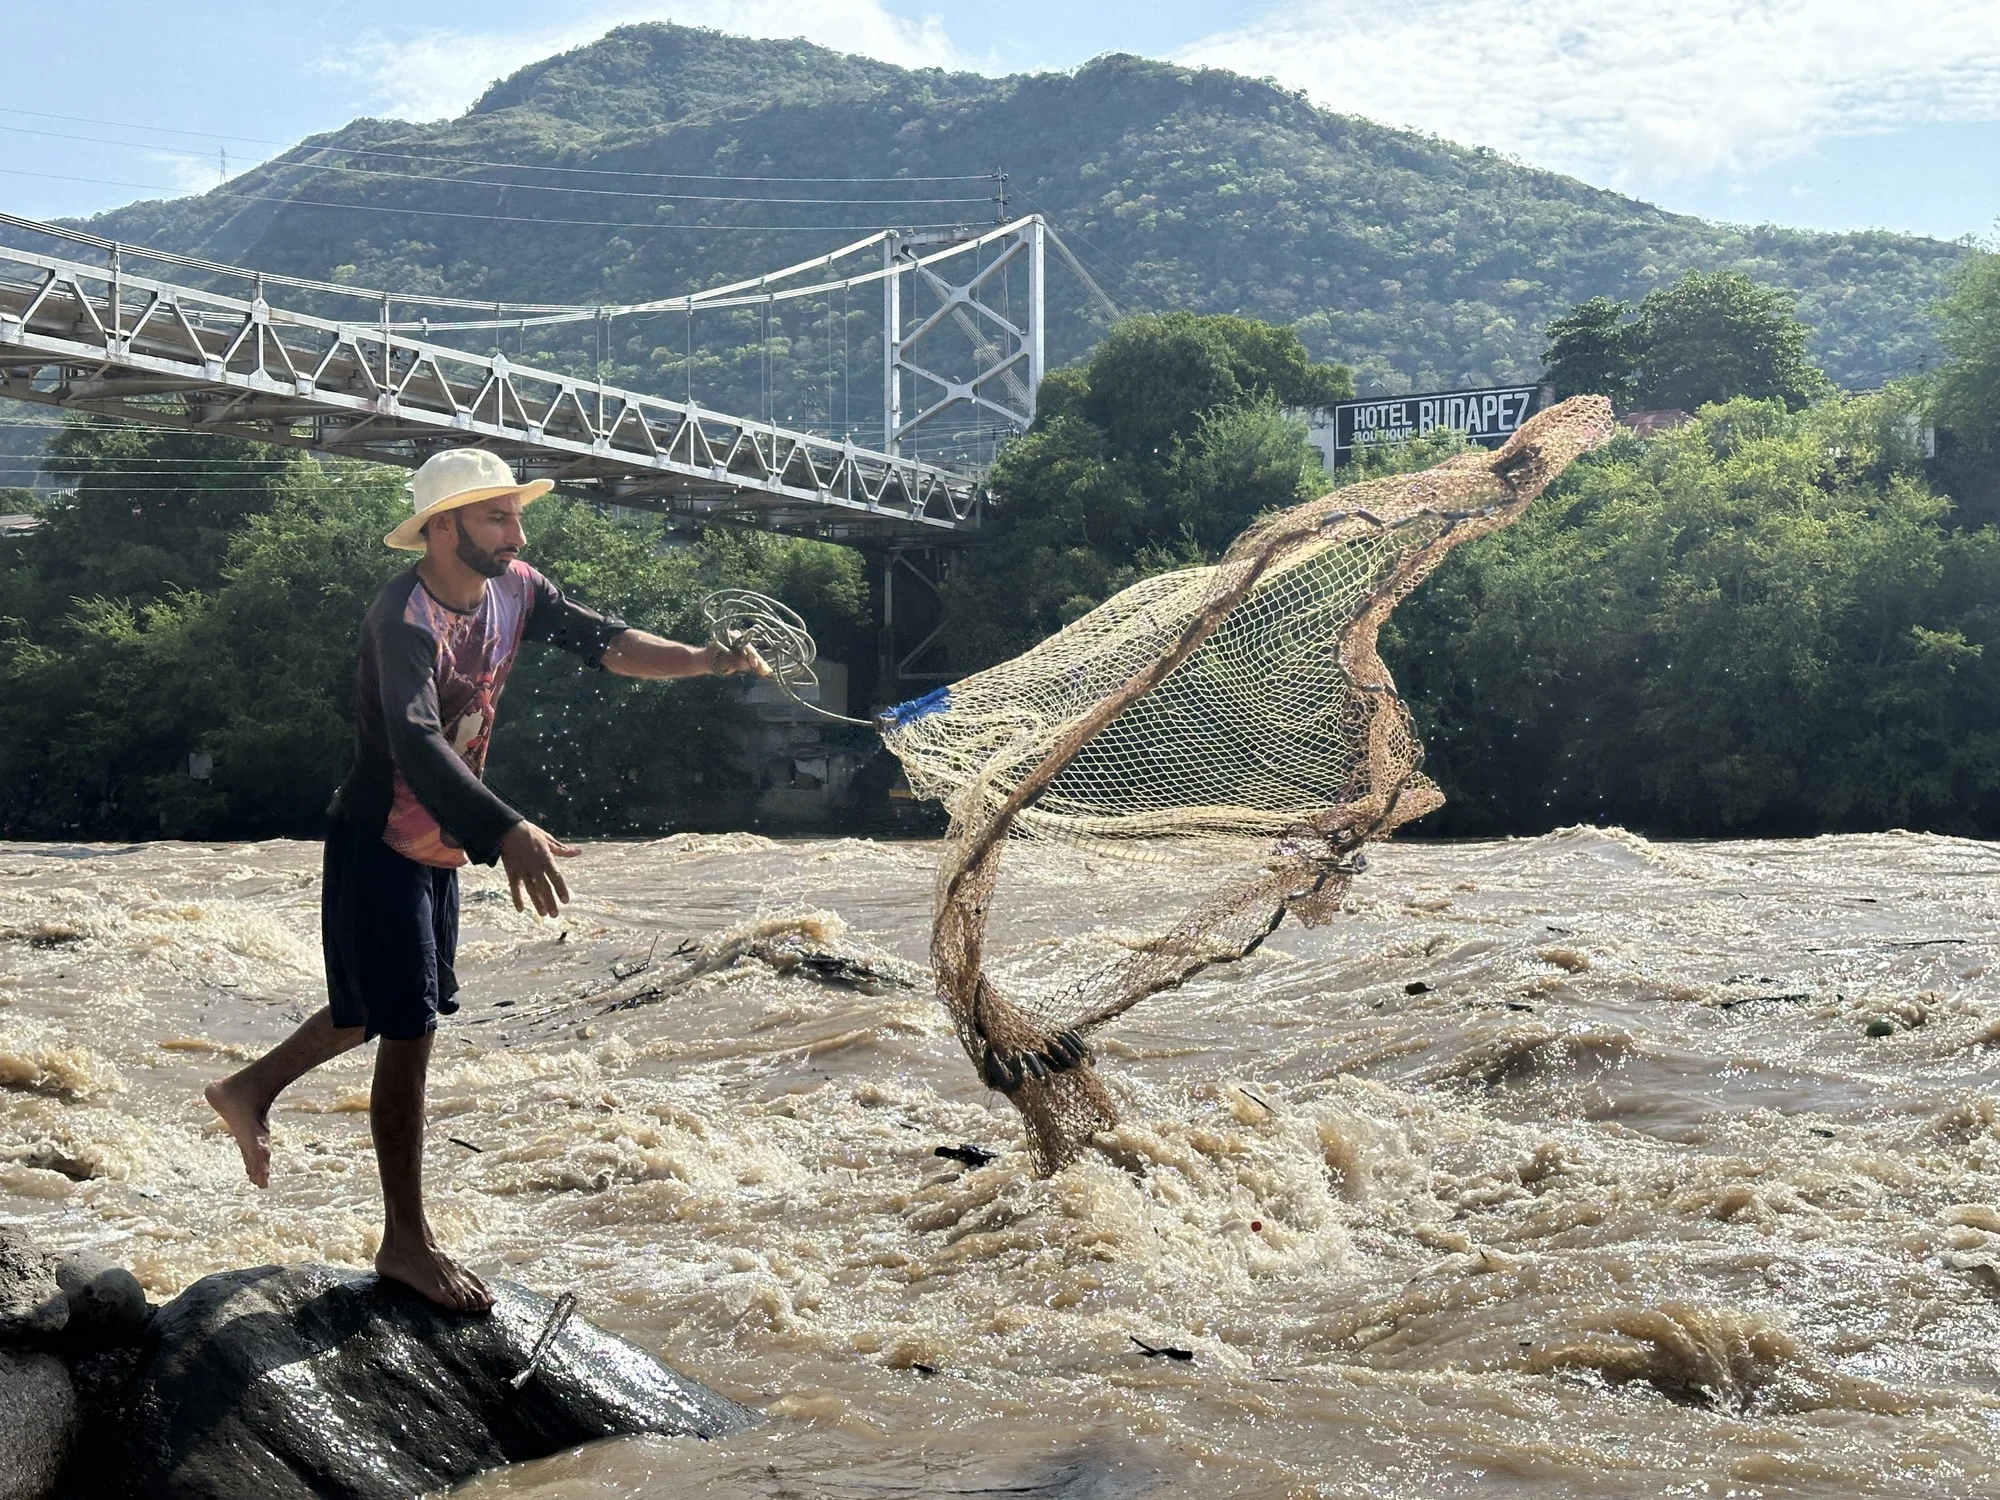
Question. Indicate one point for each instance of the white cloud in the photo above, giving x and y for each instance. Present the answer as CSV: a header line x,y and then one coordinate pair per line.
x,y
1636,95
436,74
184,173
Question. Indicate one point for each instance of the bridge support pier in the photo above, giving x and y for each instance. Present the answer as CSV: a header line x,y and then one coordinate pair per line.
x,y
910,657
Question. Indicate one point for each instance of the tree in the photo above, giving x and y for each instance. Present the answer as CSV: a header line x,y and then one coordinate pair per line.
x,y
1717,336
1589,353
104,696
1152,454
1966,394
1705,338
141,514
1760,623
1968,384
1155,378
204,598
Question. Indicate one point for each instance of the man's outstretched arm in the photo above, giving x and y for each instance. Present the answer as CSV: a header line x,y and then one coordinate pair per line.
x,y
639,653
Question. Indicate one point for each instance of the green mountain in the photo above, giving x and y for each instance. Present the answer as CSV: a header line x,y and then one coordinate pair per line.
x,y
1419,262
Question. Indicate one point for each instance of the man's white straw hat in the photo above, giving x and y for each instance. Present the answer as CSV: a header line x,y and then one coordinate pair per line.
x,y
455,477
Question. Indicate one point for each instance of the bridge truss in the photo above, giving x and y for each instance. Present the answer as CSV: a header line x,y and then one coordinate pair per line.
x,y
80,331
96,338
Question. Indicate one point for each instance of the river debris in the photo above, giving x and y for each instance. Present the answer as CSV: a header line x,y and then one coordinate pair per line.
x,y
1783,997
1160,1351
968,1154
623,971
811,945
558,1316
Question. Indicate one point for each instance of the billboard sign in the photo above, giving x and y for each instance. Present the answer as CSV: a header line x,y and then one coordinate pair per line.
x,y
1487,416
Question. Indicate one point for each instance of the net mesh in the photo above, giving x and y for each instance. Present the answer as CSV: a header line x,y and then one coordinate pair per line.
x,y
1237,714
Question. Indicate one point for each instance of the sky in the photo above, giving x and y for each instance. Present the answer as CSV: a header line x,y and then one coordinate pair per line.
x,y
1824,114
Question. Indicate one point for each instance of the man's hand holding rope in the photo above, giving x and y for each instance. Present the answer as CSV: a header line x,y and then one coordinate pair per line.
x,y
730,661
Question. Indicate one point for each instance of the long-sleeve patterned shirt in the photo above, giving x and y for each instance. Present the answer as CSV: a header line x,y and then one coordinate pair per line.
x,y
430,682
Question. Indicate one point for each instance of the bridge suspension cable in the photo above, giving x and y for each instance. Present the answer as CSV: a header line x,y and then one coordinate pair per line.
x,y
99,338
739,293
549,314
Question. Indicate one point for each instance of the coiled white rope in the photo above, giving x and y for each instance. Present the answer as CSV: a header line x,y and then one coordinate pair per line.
x,y
742,617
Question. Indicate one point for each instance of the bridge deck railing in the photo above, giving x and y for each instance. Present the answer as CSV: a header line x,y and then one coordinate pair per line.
x,y
96,339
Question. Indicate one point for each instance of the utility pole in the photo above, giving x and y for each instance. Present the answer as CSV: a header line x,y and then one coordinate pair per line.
x,y
1000,197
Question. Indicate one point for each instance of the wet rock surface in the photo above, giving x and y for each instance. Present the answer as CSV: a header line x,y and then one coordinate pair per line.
x,y
38,1419
107,1306
33,1308
305,1381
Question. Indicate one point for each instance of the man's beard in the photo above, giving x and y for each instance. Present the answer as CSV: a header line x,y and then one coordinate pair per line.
x,y
482,562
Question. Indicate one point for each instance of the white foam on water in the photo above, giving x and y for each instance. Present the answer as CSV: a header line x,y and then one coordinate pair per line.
x,y
1622,1199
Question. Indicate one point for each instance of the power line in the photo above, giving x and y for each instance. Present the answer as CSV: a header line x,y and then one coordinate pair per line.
x,y
277,164
755,291
119,424
440,213
42,114
462,161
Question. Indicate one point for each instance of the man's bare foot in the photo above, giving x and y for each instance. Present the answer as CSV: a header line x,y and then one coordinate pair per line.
x,y
248,1123
427,1269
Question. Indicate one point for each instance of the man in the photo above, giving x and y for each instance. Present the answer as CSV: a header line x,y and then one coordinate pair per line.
x,y
436,648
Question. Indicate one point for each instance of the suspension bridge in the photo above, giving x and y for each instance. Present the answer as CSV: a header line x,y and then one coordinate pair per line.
x,y
125,332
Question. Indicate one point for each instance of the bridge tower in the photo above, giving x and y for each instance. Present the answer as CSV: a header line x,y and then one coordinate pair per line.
x,y
230,350
1008,350
932,380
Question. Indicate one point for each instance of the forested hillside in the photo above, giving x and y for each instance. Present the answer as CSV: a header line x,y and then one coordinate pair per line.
x,y
1771,620
1415,261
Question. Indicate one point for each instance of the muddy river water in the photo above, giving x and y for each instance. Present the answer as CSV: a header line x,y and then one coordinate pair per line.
x,y
1564,1166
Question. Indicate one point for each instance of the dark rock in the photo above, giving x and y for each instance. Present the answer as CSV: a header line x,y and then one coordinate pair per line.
x,y
99,1379
1881,1026
38,1422
32,1306
287,1382
107,1306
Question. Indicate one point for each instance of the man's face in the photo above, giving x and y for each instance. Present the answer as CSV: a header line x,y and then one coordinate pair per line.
x,y
488,534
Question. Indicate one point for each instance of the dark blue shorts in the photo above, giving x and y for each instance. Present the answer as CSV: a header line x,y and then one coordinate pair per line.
x,y
389,929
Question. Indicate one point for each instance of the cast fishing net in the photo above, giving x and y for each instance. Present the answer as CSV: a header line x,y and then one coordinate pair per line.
x,y
1236,714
